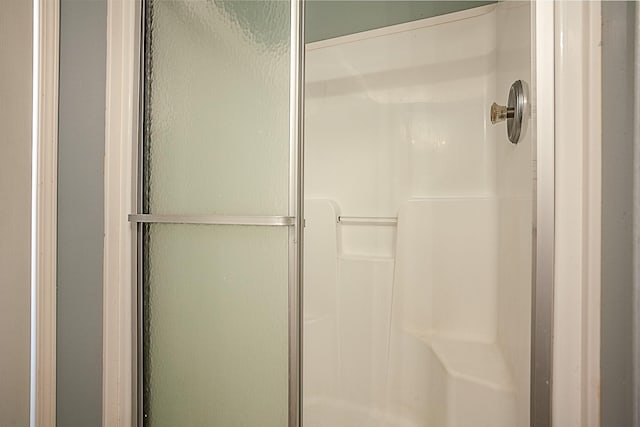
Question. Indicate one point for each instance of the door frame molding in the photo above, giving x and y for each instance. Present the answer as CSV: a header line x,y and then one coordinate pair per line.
x,y
119,401
577,273
46,22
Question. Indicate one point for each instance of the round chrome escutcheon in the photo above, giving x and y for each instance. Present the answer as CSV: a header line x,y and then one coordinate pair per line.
x,y
513,112
517,103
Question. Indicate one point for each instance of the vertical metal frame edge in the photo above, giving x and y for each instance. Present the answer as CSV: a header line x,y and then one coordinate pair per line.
x,y
296,207
636,226
543,53
138,378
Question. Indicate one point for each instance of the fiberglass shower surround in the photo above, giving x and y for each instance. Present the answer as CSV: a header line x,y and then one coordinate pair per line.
x,y
417,313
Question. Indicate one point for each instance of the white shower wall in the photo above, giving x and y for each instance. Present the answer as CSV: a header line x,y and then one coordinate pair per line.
x,y
426,323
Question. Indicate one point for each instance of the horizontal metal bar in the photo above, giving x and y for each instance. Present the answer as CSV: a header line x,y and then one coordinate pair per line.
x,y
367,220
213,219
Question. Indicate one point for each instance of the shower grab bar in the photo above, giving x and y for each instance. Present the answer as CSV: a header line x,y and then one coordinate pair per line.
x,y
367,220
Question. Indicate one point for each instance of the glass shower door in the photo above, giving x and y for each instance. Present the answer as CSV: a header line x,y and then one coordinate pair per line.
x,y
217,214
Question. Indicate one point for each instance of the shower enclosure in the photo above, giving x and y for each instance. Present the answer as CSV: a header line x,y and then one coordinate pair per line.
x,y
377,274
417,263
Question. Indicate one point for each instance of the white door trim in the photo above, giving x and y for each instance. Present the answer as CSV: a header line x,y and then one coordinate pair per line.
x,y
593,219
44,227
576,359
121,133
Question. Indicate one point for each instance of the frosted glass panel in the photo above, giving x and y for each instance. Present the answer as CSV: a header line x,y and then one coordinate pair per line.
x,y
217,107
216,326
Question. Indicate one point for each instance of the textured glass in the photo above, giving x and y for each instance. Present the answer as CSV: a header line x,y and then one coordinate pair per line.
x,y
215,326
217,107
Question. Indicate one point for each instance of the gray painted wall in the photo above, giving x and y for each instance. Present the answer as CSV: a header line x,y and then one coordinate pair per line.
x,y
328,18
15,210
617,210
80,212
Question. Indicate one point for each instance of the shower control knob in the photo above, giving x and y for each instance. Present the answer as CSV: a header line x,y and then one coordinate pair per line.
x,y
513,112
500,113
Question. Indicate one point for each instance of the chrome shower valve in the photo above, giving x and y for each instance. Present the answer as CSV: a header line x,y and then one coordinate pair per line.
x,y
500,113
513,112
